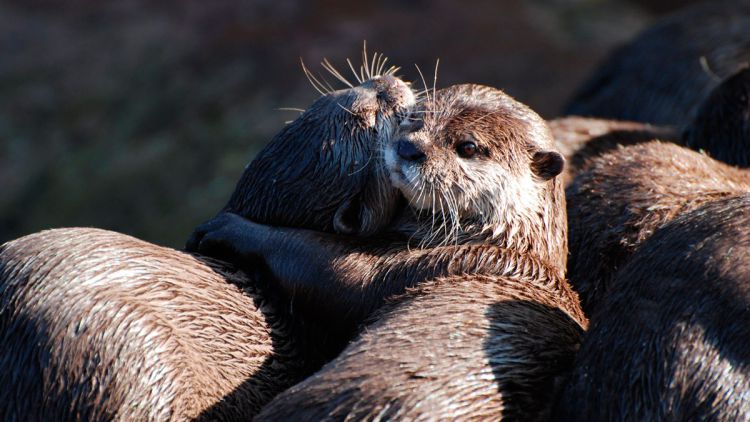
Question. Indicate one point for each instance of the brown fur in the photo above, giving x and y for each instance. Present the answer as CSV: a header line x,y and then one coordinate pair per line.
x,y
469,347
168,337
499,271
671,339
579,139
98,325
624,196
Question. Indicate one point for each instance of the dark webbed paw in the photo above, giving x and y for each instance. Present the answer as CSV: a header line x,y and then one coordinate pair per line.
x,y
227,236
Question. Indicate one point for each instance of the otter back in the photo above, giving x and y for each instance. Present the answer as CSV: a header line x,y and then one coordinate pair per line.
x,y
97,325
671,340
618,201
460,347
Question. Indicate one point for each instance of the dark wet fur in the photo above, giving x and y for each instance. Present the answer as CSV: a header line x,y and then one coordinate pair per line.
x,y
484,330
225,347
96,325
665,73
671,339
624,196
580,139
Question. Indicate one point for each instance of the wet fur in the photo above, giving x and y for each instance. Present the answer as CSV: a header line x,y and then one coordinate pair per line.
x,y
53,280
625,195
482,329
671,339
579,139
96,325
666,72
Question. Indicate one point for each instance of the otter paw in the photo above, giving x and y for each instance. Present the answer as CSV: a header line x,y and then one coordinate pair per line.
x,y
223,222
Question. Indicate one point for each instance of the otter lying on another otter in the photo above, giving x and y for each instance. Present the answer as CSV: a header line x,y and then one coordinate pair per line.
x,y
622,196
99,325
485,325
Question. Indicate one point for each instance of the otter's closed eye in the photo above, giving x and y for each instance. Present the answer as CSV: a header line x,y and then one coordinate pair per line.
x,y
466,149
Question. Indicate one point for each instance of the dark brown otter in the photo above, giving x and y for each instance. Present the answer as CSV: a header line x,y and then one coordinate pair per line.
x,y
671,339
623,196
98,325
579,139
488,324
665,73
721,126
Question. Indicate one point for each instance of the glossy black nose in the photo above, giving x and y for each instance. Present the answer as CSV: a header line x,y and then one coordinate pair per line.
x,y
409,151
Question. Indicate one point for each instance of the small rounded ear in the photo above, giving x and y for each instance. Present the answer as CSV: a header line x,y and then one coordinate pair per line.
x,y
547,164
346,220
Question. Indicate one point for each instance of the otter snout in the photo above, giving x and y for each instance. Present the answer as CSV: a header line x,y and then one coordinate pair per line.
x,y
409,151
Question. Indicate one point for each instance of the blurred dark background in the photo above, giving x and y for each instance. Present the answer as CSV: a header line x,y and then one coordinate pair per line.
x,y
139,116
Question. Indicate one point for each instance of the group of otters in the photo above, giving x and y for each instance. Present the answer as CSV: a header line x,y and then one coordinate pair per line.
x,y
404,257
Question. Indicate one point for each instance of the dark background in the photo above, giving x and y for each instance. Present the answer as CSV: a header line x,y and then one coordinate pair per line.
x,y
139,116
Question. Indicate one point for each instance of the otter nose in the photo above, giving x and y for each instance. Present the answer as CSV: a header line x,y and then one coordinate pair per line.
x,y
409,151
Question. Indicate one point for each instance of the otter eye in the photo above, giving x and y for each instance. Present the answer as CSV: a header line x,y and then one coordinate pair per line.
x,y
466,149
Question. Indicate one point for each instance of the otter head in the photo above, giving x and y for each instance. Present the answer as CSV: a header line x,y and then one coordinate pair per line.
x,y
482,168
324,171
721,126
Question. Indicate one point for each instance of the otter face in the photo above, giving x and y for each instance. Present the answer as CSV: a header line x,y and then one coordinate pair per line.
x,y
324,171
480,159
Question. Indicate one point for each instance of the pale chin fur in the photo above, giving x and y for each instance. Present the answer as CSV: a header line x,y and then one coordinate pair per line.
x,y
506,203
401,174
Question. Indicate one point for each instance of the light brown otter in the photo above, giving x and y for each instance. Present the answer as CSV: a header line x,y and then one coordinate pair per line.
x,y
671,339
666,72
487,324
98,325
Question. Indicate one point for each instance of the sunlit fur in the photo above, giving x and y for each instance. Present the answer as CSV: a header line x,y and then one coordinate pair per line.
x,y
492,197
96,325
327,158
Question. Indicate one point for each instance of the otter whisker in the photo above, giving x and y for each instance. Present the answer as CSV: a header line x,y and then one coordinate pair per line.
x,y
382,64
392,70
346,109
434,79
424,83
313,80
363,69
354,72
301,110
333,71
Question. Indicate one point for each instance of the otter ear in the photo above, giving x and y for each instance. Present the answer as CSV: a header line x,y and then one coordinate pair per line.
x,y
547,164
346,220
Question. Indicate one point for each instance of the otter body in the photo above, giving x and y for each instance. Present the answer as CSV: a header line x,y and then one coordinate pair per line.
x,y
665,73
580,139
132,325
486,215
671,339
622,197
96,325
470,347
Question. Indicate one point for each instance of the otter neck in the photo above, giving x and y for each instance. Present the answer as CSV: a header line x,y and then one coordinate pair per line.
x,y
541,232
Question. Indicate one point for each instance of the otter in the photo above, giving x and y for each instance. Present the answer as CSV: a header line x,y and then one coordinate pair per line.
x,y
666,72
472,320
622,196
581,138
721,126
99,325
671,339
